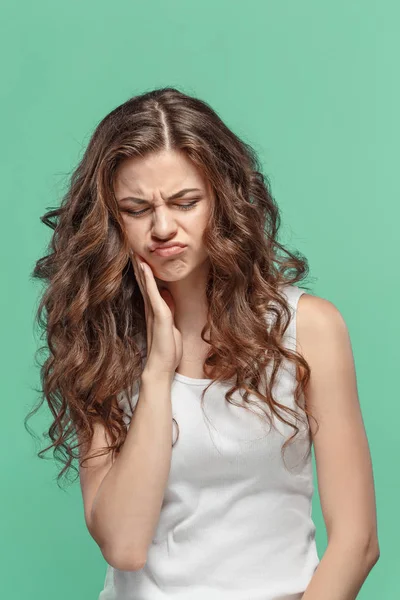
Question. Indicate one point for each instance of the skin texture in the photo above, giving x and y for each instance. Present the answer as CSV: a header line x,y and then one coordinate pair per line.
x,y
154,178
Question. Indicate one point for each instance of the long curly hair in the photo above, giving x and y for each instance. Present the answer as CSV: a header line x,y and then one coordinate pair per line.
x,y
94,310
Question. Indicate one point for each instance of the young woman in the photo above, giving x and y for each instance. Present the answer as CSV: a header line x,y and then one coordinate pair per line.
x,y
196,373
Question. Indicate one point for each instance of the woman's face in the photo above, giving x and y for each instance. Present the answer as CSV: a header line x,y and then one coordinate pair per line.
x,y
143,188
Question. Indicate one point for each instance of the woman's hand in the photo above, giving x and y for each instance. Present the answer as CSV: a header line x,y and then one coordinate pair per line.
x,y
164,340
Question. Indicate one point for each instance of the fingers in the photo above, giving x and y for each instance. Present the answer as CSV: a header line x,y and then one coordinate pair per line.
x,y
149,317
139,274
159,306
149,288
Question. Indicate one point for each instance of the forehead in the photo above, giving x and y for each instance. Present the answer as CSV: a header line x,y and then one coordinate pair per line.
x,y
166,172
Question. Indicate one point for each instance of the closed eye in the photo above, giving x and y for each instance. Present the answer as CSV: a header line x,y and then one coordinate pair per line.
x,y
179,206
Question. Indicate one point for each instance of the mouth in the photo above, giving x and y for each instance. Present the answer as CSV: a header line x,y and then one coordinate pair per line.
x,y
170,251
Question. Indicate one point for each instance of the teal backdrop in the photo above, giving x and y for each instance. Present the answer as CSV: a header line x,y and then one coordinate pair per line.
x,y
314,87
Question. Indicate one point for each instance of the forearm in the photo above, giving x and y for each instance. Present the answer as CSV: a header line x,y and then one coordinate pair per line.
x,y
340,573
127,505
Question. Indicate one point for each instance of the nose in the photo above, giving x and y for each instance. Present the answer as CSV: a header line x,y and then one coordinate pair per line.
x,y
164,225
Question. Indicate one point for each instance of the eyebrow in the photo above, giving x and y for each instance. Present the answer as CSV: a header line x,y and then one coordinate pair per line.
x,y
173,197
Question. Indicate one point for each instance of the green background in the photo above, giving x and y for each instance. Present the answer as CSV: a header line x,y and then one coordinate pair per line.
x,y
314,87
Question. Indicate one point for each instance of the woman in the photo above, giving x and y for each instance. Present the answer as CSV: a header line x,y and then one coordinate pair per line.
x,y
168,289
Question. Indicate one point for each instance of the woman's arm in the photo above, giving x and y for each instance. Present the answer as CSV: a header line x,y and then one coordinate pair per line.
x,y
126,507
344,468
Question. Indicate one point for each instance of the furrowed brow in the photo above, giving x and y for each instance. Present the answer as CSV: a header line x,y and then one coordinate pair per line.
x,y
173,197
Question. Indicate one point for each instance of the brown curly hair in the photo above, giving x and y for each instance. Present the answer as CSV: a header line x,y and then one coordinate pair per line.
x,y
94,308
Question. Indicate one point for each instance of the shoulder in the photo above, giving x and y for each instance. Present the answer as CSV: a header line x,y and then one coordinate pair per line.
x,y
319,324
323,339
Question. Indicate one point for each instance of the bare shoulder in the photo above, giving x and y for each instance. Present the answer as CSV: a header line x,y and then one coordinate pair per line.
x,y
323,339
316,316
322,334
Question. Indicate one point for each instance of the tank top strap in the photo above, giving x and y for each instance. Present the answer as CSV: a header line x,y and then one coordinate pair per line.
x,y
292,293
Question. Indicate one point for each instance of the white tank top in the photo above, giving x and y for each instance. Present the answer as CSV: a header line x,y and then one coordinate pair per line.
x,y
235,523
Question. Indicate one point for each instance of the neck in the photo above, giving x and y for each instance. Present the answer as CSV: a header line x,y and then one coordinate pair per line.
x,y
190,300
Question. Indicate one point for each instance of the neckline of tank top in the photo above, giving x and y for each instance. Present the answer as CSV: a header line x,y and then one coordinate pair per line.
x,y
190,380
194,381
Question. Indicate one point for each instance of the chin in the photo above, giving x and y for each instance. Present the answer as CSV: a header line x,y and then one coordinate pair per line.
x,y
169,277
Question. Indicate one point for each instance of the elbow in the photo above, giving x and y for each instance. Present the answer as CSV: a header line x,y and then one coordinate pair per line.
x,y
366,547
118,558
373,552
371,549
123,561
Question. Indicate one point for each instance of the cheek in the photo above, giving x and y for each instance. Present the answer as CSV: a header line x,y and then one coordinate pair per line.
x,y
134,232
135,241
198,223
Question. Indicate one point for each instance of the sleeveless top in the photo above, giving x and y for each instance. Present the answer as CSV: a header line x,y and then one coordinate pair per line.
x,y
235,523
